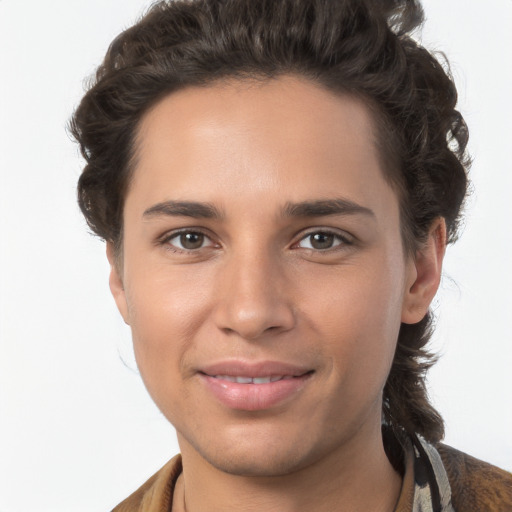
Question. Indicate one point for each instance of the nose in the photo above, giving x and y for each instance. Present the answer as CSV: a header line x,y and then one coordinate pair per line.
x,y
254,299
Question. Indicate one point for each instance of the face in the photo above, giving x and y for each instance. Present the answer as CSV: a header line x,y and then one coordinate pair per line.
x,y
263,273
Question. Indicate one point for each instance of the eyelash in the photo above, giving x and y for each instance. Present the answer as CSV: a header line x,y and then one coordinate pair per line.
x,y
342,240
165,241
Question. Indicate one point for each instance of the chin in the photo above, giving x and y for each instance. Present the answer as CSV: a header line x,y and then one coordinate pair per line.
x,y
261,455
269,464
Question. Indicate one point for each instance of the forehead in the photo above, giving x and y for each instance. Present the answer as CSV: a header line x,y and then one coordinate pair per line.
x,y
274,138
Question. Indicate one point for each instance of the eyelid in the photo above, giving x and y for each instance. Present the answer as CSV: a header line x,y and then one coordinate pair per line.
x,y
164,240
170,235
346,238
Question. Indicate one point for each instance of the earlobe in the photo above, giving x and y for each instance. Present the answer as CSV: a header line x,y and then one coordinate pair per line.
x,y
116,283
425,274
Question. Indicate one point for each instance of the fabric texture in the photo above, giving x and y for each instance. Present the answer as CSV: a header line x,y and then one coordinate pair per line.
x,y
435,479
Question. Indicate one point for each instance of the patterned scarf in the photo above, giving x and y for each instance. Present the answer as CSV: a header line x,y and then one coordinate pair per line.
x,y
432,492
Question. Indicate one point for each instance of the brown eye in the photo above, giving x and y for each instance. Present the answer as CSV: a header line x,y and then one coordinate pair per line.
x,y
191,241
188,241
322,241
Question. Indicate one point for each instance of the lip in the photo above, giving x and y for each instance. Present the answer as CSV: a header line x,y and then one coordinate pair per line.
x,y
253,396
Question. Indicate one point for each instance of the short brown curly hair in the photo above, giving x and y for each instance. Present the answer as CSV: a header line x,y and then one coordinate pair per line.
x,y
358,47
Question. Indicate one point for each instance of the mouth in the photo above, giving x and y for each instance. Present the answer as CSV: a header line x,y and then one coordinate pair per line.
x,y
254,386
252,380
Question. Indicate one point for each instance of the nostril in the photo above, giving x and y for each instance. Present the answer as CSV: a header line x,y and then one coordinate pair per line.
x,y
252,332
251,313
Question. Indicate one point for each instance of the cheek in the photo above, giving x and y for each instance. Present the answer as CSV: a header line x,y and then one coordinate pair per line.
x,y
165,310
163,318
358,317
364,296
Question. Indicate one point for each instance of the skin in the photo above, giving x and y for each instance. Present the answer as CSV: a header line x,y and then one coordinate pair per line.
x,y
256,288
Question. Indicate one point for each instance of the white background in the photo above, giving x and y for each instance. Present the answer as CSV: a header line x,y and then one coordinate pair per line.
x,y
77,429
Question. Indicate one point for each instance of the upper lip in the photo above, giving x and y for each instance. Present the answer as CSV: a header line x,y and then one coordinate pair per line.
x,y
239,368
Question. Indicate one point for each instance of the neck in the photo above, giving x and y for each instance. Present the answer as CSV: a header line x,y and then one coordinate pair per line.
x,y
356,477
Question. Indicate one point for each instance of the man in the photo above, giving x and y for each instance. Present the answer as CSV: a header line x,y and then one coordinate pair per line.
x,y
277,182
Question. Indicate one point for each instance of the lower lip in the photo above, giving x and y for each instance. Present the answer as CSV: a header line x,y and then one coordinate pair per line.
x,y
254,397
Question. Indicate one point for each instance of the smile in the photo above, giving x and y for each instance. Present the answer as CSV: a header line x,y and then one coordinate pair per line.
x,y
252,380
259,386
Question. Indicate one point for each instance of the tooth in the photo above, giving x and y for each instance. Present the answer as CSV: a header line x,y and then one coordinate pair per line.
x,y
253,380
261,380
243,380
226,377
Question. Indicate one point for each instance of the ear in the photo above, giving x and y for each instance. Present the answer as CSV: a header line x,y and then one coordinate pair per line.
x,y
424,274
116,283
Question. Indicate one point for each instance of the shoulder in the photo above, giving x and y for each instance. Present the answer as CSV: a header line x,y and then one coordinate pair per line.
x,y
155,495
476,485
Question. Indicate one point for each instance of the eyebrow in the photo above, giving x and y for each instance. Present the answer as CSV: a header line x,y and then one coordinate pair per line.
x,y
325,207
192,209
318,208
